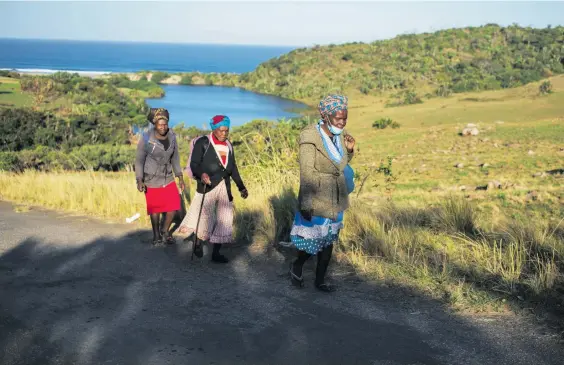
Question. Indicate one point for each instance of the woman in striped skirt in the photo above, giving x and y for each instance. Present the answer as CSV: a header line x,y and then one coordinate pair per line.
x,y
213,165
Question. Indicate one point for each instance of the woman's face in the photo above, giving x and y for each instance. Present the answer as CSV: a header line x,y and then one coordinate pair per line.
x,y
339,119
221,133
161,127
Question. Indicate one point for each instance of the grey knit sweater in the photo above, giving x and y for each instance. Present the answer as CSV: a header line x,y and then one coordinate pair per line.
x,y
154,165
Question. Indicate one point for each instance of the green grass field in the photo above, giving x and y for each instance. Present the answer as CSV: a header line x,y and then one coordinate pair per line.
x,y
11,95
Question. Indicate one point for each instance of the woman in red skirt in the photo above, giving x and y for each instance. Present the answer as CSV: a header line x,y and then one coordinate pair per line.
x,y
156,165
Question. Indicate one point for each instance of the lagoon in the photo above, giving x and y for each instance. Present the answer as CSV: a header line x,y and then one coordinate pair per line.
x,y
195,105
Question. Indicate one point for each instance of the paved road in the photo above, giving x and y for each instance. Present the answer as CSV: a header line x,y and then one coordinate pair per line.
x,y
77,291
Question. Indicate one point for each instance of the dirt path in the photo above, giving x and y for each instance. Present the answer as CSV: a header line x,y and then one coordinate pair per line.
x,y
77,291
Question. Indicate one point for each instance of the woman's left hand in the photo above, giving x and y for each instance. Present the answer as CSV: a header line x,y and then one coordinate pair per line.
x,y
244,194
349,142
181,183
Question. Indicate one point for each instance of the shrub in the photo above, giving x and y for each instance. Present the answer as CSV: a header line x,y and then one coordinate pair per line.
x,y
382,123
443,91
545,88
411,98
186,80
347,57
9,161
158,76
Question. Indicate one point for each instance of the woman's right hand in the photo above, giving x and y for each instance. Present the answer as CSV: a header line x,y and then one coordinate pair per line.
x,y
141,186
206,179
306,214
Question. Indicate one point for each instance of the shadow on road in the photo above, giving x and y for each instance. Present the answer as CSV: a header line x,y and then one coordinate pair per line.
x,y
121,301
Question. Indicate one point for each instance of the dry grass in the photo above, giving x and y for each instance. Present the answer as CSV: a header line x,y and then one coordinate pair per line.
x,y
437,247
433,231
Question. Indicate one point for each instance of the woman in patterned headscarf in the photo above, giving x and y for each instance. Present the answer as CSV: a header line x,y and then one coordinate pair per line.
x,y
325,151
156,165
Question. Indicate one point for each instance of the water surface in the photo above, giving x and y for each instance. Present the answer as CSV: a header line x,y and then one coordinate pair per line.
x,y
195,105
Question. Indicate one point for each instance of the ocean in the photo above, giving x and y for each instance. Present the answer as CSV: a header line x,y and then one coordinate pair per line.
x,y
191,105
98,57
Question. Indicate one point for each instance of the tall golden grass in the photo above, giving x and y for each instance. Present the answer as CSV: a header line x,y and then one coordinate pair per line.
x,y
437,246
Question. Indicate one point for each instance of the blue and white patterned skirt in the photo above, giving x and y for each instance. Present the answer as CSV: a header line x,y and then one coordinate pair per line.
x,y
313,236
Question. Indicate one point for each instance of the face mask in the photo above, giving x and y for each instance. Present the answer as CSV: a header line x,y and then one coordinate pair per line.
x,y
336,131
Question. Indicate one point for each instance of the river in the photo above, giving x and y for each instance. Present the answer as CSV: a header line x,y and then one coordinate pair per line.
x,y
195,105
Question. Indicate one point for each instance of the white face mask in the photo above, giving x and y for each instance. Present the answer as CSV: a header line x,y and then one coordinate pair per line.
x,y
336,131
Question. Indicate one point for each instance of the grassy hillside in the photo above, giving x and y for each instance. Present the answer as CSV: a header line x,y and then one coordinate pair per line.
x,y
408,67
483,236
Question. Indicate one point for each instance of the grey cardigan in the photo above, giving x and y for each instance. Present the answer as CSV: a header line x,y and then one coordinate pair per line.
x,y
154,165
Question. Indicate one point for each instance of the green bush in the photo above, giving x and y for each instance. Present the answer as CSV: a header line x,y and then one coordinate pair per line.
x,y
545,88
365,90
158,76
382,123
8,73
443,91
411,98
9,161
186,80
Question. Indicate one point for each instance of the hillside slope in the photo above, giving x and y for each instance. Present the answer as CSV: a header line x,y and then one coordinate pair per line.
x,y
408,67
455,60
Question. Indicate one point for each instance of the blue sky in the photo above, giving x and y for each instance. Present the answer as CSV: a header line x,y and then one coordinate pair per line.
x,y
294,23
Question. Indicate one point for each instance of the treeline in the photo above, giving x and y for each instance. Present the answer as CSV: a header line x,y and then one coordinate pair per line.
x,y
409,67
434,64
75,122
258,143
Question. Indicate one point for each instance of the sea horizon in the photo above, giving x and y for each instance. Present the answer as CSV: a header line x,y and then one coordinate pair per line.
x,y
155,42
93,57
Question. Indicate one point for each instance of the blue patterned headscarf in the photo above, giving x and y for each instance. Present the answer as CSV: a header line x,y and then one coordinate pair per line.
x,y
331,104
219,121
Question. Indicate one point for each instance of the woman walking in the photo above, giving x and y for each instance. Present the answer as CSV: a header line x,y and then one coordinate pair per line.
x,y
156,165
325,151
213,165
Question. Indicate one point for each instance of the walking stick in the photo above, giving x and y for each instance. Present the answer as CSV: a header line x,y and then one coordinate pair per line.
x,y
198,222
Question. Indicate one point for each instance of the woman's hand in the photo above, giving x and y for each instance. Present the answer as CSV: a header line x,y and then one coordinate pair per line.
x,y
349,143
206,179
181,183
244,194
141,186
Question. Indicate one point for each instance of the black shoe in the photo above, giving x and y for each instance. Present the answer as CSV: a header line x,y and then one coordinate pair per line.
x,y
219,258
326,288
167,238
198,249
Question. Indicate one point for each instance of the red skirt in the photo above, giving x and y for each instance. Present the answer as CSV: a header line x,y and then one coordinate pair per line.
x,y
163,199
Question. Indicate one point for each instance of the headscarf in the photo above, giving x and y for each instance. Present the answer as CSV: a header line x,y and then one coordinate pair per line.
x,y
331,104
155,114
219,121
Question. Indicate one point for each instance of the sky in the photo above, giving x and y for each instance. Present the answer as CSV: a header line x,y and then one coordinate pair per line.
x,y
288,23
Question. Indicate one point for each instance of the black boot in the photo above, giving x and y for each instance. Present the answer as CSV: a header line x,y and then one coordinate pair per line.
x,y
157,237
296,269
323,258
216,256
